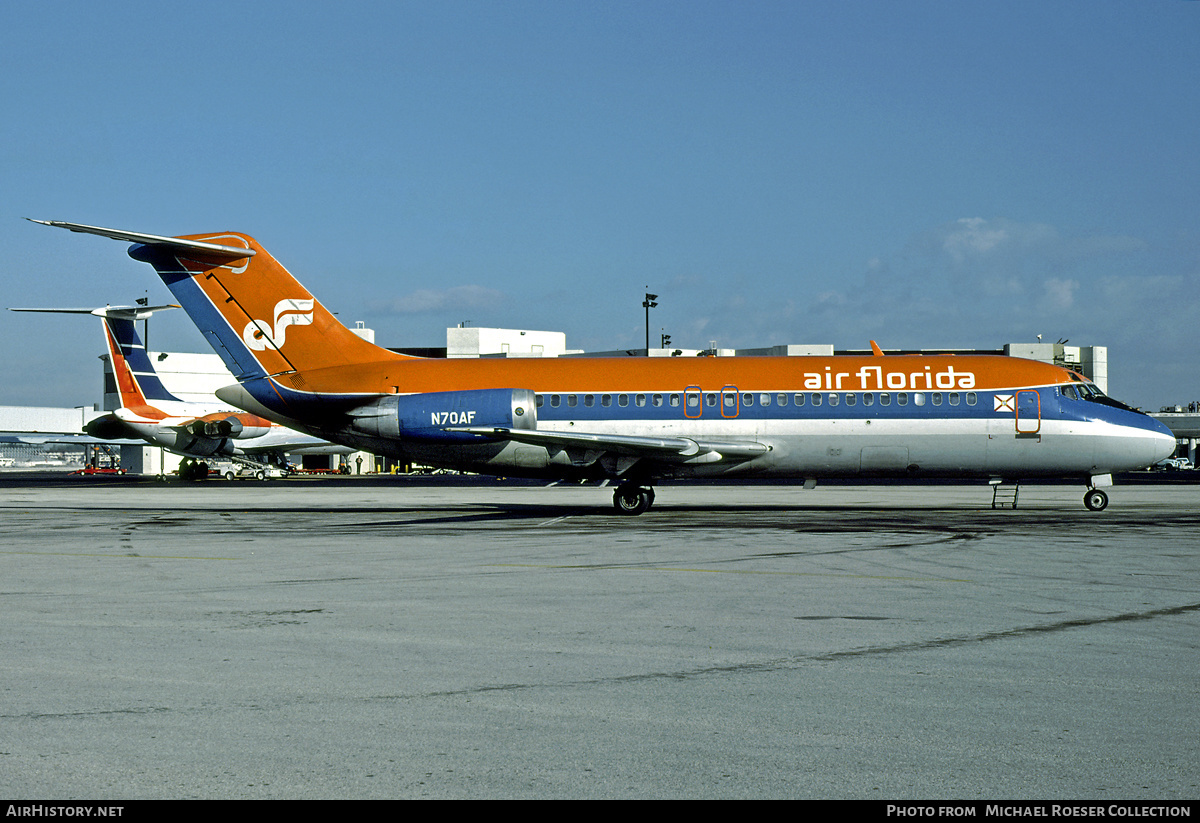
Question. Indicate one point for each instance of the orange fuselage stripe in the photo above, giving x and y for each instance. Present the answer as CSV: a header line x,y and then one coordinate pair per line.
x,y
641,374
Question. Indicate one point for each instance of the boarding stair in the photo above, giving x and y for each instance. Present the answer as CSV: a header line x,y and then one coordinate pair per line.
x,y
1004,495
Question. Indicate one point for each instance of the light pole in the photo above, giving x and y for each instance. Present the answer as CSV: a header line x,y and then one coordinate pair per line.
x,y
145,301
648,304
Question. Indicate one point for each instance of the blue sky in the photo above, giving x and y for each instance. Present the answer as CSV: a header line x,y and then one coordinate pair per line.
x,y
921,173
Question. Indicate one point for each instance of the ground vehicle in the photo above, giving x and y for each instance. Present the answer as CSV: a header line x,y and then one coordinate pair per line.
x,y
192,470
256,472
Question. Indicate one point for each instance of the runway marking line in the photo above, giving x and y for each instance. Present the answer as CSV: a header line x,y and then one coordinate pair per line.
x,y
125,556
729,571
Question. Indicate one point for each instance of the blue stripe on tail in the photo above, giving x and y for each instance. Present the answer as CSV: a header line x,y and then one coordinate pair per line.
x,y
225,341
133,351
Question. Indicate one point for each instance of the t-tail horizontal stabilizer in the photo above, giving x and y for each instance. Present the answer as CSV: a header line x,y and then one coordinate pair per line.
x,y
115,312
175,243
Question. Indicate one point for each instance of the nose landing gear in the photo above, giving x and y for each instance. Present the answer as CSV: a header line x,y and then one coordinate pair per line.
x,y
1095,500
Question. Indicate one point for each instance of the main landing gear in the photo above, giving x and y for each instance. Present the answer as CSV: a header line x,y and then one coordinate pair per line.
x,y
193,470
631,499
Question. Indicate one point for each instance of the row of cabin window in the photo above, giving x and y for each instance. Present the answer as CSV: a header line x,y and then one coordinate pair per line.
x,y
748,399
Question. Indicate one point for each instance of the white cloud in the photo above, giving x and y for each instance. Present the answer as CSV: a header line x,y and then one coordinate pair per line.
x,y
1060,293
972,236
425,301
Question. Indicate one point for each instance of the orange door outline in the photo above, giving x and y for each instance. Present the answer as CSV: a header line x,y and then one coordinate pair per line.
x,y
727,409
1029,411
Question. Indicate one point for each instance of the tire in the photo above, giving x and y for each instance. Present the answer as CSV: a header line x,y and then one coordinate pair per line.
x,y
1095,500
632,501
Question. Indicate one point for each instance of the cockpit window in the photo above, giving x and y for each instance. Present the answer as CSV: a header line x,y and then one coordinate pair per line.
x,y
1089,391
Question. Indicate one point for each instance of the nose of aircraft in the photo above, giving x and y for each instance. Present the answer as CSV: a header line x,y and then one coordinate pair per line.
x,y
1162,442
1138,442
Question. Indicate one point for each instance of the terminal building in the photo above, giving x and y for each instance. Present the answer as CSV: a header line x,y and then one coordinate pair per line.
x,y
196,377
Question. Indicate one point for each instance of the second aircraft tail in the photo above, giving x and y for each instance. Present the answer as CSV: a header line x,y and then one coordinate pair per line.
x,y
137,381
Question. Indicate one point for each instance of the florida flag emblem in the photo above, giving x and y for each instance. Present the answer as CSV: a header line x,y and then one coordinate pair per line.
x,y
1004,403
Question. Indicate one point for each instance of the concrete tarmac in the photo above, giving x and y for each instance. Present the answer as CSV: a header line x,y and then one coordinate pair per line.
x,y
387,638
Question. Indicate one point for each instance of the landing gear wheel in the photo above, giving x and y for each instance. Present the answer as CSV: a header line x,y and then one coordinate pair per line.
x,y
1095,500
632,500
193,470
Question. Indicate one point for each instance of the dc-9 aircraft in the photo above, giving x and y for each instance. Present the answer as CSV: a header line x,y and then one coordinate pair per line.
x,y
635,421
197,430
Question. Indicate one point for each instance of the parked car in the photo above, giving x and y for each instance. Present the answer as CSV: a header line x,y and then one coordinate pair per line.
x,y
229,471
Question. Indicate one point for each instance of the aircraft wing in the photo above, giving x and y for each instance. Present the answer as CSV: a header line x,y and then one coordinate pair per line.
x,y
65,439
675,449
299,444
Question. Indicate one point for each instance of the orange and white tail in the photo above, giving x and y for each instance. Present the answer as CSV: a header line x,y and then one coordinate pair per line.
x,y
257,317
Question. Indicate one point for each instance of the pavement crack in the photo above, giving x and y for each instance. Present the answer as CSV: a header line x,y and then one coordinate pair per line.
x,y
785,663
1026,631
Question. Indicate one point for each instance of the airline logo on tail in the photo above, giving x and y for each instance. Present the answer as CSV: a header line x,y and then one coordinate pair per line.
x,y
259,336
